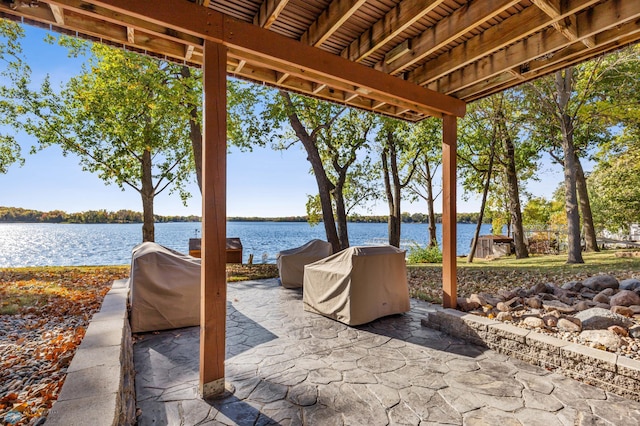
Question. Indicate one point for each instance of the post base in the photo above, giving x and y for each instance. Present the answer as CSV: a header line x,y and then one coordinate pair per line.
x,y
216,389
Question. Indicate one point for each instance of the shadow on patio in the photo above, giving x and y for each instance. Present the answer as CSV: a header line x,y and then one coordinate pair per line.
x,y
288,366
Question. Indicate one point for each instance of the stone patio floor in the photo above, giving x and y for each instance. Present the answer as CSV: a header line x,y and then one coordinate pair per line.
x,y
293,367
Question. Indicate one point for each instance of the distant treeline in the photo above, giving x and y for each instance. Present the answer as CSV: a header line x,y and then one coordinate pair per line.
x,y
16,214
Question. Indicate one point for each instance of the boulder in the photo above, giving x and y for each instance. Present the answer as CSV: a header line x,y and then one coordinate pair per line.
x,y
622,310
572,286
601,338
550,320
635,309
541,288
624,298
600,319
566,325
581,306
600,282
504,316
630,284
534,322
466,304
533,302
556,305
476,298
618,330
601,298
635,332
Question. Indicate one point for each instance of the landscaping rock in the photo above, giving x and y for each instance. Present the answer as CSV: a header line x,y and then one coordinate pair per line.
x,y
635,332
581,306
605,338
565,325
558,306
550,320
635,309
466,304
533,302
624,298
534,322
598,318
572,286
618,330
630,284
476,298
504,316
600,282
622,310
601,298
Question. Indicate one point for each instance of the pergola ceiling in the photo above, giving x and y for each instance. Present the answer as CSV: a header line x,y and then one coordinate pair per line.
x,y
464,49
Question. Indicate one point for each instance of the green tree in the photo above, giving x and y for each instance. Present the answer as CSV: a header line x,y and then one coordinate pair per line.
x,y
428,135
570,113
13,68
399,158
124,116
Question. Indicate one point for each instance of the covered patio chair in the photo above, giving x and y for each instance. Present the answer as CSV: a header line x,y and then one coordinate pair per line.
x,y
164,288
358,284
291,262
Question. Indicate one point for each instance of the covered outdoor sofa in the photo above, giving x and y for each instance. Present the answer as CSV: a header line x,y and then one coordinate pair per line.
x,y
291,262
164,288
358,284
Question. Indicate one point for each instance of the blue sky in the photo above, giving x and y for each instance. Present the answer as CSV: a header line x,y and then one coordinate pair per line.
x,y
262,183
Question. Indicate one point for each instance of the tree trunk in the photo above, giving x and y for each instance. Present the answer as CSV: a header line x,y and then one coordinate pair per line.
x,y
195,133
147,194
514,195
324,184
341,214
563,87
433,241
392,189
485,192
589,231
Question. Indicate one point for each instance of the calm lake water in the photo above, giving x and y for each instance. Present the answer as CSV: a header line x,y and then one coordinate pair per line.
x,y
35,244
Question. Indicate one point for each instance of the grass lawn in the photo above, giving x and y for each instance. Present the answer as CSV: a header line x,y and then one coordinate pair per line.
x,y
425,281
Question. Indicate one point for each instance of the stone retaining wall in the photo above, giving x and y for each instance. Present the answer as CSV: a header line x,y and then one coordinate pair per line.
x,y
606,370
99,388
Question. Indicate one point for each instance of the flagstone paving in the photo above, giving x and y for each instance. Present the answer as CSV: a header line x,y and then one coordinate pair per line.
x,y
291,367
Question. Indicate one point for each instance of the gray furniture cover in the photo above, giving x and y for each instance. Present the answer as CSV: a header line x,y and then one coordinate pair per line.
x,y
291,262
358,284
164,288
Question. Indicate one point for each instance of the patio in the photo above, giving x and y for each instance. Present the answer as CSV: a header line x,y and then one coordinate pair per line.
x,y
287,366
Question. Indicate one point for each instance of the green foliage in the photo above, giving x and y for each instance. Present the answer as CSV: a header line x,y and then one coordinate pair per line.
x,y
12,68
426,254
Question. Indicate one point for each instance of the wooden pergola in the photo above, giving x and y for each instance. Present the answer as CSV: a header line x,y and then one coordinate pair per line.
x,y
409,59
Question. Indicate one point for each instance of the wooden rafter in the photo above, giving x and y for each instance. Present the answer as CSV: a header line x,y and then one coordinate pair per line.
x,y
606,15
567,25
444,32
398,19
507,32
268,13
329,21
246,41
58,14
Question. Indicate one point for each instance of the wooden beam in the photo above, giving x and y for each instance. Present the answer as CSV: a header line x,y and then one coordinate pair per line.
x,y
567,25
449,219
188,53
605,16
131,35
269,12
248,39
58,14
213,296
398,19
507,32
447,30
329,21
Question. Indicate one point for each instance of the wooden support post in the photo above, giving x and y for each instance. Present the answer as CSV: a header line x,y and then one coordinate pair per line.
x,y
449,219
213,293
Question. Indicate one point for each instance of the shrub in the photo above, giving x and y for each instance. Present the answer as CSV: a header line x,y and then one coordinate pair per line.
x,y
427,254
